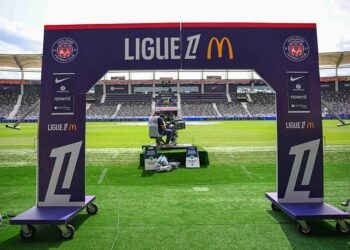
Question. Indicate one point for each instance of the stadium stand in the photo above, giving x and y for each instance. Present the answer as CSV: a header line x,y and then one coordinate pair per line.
x,y
240,97
339,102
101,111
201,105
7,103
126,98
131,105
262,105
199,109
139,109
211,105
205,97
28,101
166,100
231,109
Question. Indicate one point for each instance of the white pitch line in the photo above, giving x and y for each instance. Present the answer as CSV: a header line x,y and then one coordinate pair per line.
x,y
328,148
113,150
103,175
239,149
115,156
187,123
247,172
200,189
244,169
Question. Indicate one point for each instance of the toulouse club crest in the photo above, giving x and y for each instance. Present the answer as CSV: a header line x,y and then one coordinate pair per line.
x,y
296,48
64,50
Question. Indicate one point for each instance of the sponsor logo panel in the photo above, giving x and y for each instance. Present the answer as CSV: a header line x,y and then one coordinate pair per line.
x,y
300,125
298,92
169,48
151,158
63,94
62,127
192,157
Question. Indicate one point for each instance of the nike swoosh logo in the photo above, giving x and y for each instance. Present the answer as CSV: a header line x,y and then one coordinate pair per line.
x,y
296,78
61,80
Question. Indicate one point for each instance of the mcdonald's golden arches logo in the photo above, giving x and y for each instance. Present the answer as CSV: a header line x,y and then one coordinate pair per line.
x,y
220,45
310,125
72,127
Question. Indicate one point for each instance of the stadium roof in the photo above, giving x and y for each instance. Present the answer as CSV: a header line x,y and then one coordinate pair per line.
x,y
21,62
334,59
24,62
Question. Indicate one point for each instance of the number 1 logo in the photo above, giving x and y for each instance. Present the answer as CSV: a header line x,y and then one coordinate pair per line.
x,y
59,153
299,151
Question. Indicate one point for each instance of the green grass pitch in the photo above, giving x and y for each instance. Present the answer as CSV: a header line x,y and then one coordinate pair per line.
x,y
218,207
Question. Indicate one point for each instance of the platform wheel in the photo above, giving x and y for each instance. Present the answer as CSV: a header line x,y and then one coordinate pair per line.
x,y
91,209
27,232
68,232
275,207
304,228
342,227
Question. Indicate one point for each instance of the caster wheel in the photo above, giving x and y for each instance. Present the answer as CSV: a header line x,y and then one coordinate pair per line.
x,y
92,209
305,231
341,230
28,235
275,207
69,234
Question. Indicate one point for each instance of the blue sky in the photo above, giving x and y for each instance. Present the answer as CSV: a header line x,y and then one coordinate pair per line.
x,y
22,21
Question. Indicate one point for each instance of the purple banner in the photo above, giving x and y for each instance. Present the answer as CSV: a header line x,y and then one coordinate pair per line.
x,y
289,48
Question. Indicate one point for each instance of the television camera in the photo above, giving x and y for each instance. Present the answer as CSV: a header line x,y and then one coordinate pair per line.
x,y
173,123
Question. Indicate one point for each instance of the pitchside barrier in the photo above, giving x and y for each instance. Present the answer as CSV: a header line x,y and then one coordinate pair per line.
x,y
285,55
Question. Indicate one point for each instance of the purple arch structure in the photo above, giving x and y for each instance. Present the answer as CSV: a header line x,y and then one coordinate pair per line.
x,y
75,57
